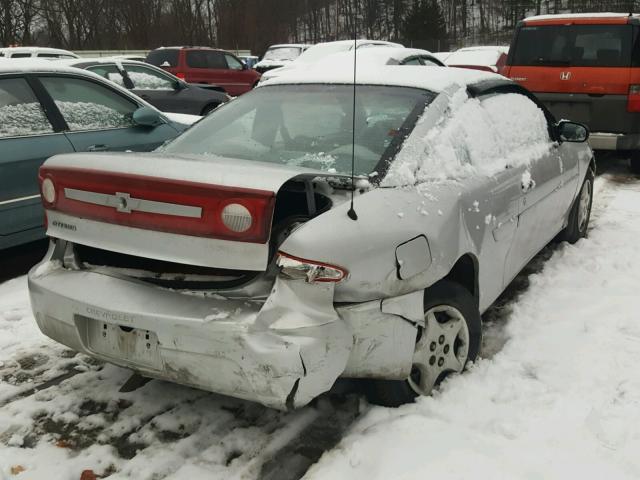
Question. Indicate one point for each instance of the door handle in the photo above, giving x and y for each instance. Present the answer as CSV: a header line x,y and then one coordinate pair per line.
x,y
97,148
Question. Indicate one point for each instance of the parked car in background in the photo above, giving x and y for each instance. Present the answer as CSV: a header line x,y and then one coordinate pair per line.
x,y
46,109
206,65
585,67
374,57
161,89
488,59
38,52
321,50
278,56
231,260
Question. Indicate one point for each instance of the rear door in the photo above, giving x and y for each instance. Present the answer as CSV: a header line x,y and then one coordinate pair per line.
x,y
580,71
98,118
27,139
206,66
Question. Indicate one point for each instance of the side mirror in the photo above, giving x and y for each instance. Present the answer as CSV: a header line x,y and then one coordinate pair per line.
x,y
572,132
147,117
178,85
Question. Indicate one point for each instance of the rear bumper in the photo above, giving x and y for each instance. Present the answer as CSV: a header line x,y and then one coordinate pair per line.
x,y
612,141
281,353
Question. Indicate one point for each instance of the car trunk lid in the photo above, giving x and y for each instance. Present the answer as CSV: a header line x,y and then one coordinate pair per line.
x,y
214,214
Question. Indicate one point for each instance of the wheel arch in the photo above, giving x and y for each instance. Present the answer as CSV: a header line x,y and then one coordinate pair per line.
x,y
465,273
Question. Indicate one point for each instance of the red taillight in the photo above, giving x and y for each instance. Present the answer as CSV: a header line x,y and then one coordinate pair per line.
x,y
310,271
633,100
227,213
181,75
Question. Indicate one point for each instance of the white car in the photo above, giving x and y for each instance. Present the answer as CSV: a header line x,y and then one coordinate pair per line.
x,y
39,52
280,55
486,58
323,50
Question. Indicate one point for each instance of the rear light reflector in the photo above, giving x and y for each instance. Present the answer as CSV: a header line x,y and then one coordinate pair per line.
x,y
295,268
160,204
633,100
236,217
48,191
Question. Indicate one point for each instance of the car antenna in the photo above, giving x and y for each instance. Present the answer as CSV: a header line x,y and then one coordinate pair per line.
x,y
352,213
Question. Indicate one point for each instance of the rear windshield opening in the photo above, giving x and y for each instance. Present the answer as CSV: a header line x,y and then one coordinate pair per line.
x,y
574,45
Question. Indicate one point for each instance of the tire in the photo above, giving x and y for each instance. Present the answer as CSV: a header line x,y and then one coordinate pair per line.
x,y
453,298
635,161
580,212
209,108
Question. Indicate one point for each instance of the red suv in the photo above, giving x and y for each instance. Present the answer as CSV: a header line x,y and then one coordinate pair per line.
x,y
586,68
206,65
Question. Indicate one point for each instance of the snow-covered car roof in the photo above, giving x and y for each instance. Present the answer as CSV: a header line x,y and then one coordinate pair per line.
x,y
482,56
59,51
321,50
14,65
500,48
374,56
435,79
289,45
560,16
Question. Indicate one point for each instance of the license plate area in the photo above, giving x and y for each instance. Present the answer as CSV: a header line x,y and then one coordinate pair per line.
x,y
122,343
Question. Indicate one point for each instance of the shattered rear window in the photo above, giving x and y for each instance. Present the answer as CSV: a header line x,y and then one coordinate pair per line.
x,y
309,126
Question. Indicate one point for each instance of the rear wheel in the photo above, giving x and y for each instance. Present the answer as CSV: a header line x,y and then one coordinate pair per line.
x,y
580,212
449,340
635,161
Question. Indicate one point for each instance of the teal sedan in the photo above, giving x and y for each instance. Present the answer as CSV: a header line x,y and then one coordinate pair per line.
x,y
47,109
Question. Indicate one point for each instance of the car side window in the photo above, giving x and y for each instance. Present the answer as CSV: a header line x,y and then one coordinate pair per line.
x,y
216,60
110,72
21,55
519,124
427,62
233,63
20,111
86,105
145,78
205,59
412,61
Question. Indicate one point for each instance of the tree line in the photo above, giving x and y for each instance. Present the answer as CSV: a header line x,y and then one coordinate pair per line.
x,y
256,24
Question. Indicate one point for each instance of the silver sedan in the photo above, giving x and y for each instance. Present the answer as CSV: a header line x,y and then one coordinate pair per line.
x,y
263,254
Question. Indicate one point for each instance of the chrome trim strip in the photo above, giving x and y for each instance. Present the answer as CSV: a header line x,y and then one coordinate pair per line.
x,y
124,203
21,199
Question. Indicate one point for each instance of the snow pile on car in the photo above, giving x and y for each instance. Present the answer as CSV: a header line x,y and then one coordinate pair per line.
x,y
473,138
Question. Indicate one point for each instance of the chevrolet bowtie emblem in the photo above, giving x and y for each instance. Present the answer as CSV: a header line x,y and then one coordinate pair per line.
x,y
123,202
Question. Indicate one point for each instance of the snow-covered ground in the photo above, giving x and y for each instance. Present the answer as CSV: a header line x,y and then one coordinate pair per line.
x,y
557,394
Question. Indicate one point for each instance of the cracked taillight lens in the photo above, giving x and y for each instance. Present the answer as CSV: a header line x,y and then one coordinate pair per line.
x,y
309,270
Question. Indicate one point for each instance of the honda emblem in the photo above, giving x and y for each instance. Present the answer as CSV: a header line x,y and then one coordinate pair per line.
x,y
565,75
